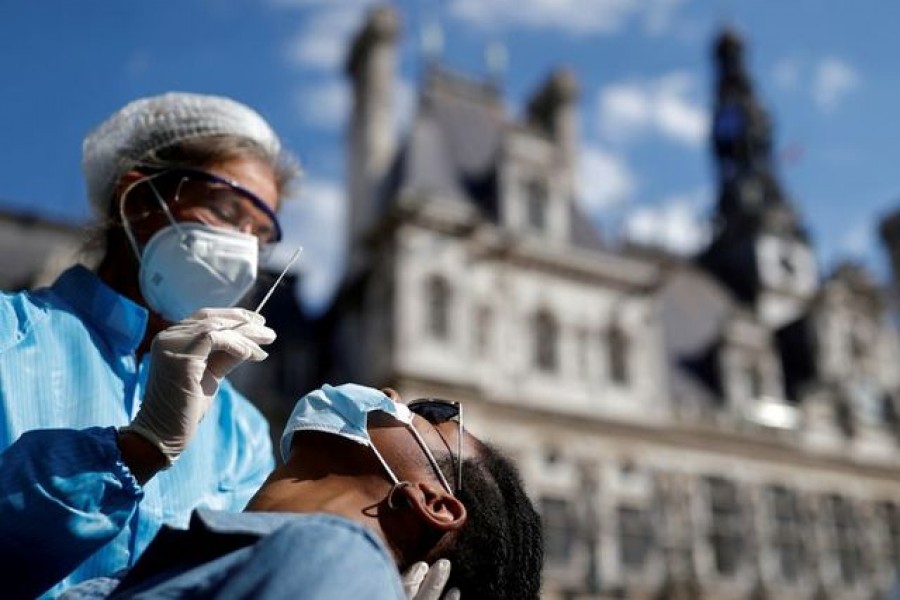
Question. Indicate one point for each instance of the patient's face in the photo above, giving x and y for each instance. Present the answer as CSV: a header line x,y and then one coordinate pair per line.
x,y
405,455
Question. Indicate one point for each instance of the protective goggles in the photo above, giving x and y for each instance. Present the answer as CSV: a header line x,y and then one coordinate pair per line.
x,y
220,201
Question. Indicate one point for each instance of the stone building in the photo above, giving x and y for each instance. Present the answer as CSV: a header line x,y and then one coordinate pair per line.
x,y
721,427
33,250
724,427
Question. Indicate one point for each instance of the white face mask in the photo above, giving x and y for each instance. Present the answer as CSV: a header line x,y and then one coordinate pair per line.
x,y
189,266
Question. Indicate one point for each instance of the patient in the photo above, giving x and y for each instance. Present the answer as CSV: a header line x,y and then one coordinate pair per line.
x,y
380,486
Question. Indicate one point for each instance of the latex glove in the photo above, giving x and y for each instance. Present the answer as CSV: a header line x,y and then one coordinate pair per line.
x,y
421,582
187,362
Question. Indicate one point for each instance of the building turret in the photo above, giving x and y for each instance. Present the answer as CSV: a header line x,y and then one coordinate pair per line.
x,y
890,237
553,110
759,249
370,66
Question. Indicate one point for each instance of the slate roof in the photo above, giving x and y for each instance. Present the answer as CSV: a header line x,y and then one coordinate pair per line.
x,y
695,307
453,149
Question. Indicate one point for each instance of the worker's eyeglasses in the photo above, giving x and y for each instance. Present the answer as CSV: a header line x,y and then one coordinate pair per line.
x,y
221,202
437,411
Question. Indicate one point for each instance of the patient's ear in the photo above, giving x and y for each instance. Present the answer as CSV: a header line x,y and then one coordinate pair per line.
x,y
434,506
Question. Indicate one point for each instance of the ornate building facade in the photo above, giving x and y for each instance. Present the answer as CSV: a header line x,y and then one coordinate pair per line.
x,y
723,427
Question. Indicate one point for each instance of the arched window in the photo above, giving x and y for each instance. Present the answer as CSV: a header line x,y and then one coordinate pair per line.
x,y
546,342
560,529
727,525
618,351
438,294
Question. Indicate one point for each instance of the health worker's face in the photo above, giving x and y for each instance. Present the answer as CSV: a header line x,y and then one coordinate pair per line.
x,y
195,199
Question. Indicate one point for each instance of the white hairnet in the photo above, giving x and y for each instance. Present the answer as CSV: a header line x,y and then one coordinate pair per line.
x,y
149,124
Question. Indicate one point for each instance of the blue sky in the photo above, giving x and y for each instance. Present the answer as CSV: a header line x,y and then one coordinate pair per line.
x,y
825,68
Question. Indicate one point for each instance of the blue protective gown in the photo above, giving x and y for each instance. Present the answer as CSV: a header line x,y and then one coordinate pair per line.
x,y
69,508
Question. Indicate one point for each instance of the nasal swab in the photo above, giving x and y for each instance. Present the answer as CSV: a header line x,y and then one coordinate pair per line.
x,y
268,295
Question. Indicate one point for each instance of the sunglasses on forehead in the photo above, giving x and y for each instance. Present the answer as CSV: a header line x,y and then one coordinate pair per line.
x,y
437,411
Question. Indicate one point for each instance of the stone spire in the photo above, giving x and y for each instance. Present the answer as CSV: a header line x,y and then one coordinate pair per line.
x,y
759,247
750,194
553,109
370,66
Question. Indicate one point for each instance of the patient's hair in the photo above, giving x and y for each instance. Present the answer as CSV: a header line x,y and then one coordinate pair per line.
x,y
499,552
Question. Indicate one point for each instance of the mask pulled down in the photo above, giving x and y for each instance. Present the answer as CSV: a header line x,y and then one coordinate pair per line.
x,y
342,411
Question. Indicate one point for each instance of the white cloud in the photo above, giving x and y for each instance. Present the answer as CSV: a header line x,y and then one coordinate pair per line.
x,y
859,240
327,104
664,106
322,43
833,79
828,80
659,15
324,105
298,3
317,220
404,103
677,224
604,179
138,64
786,73
571,16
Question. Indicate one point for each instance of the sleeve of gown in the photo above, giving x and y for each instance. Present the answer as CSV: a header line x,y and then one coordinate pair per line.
x,y
249,446
63,494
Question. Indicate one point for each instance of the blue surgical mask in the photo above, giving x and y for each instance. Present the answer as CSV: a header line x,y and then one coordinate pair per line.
x,y
344,411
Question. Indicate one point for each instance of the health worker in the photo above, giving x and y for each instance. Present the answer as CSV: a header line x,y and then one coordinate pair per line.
x,y
115,414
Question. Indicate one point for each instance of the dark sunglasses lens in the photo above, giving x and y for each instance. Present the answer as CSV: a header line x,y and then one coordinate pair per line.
x,y
435,412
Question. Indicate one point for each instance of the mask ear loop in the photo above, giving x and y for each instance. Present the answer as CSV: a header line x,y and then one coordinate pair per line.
x,y
397,486
384,464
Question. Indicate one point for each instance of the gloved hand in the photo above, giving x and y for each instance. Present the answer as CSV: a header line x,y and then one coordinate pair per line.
x,y
187,362
421,582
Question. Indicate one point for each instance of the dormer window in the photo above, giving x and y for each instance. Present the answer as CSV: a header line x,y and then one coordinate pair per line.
x,y
536,204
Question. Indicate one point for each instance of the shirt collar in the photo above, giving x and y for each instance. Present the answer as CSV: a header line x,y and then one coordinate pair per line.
x,y
122,321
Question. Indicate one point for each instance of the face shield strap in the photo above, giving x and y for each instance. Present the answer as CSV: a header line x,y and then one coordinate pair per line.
x,y
126,225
